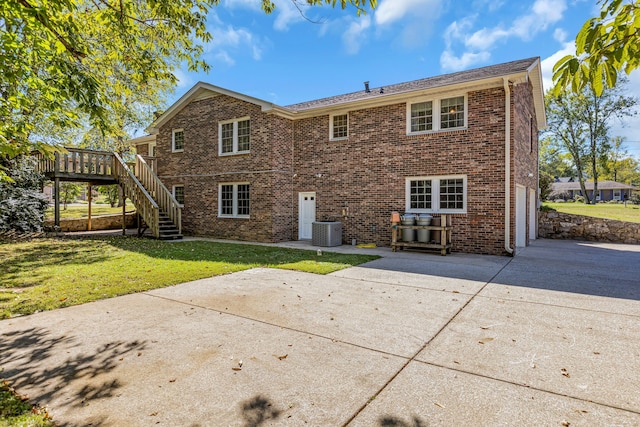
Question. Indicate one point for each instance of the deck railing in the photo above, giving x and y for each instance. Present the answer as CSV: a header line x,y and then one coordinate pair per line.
x,y
166,202
136,192
77,161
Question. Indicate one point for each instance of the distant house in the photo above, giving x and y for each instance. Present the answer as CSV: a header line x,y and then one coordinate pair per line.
x,y
464,144
568,188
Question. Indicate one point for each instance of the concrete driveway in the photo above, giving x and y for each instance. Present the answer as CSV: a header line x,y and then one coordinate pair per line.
x,y
550,337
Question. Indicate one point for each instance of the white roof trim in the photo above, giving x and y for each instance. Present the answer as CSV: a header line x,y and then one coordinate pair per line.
x,y
197,91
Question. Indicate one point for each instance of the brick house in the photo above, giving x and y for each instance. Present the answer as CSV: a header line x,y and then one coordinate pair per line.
x,y
464,143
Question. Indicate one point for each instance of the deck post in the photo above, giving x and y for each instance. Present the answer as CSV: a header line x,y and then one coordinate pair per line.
x,y
89,211
124,212
56,208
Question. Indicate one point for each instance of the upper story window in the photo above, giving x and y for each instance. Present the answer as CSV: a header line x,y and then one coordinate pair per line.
x,y
339,126
178,194
234,136
177,140
233,200
437,194
421,117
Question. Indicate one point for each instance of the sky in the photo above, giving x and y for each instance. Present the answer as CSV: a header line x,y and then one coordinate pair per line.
x,y
286,58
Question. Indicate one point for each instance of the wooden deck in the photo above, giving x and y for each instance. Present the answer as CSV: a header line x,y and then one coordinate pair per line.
x,y
161,212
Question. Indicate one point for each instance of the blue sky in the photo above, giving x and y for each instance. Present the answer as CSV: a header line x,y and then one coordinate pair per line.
x,y
284,58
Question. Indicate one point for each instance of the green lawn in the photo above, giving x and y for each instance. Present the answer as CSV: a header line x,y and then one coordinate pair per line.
x,y
16,411
601,210
82,211
46,274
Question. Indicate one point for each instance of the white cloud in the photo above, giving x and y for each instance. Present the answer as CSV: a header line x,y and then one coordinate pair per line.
x,y
228,41
412,20
450,62
286,14
353,36
390,11
560,35
478,44
183,79
547,64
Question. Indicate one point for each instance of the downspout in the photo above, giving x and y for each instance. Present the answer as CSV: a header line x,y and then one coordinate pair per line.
x,y
507,167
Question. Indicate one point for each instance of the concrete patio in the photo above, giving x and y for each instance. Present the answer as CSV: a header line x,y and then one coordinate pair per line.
x,y
549,337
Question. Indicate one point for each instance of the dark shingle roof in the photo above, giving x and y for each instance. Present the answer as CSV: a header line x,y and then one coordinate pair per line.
x,y
508,68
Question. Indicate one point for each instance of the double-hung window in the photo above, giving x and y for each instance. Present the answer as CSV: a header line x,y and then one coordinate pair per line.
x,y
436,194
177,140
234,136
178,194
437,114
339,126
233,200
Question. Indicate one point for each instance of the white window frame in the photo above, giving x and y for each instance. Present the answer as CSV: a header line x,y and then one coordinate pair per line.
x,y
234,200
435,194
173,141
436,114
235,150
173,193
616,194
331,127
151,150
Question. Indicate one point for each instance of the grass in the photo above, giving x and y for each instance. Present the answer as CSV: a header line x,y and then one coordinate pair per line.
x,y
82,211
17,411
600,210
45,274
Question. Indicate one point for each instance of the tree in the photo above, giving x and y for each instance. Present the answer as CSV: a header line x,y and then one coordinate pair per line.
x,y
69,192
580,122
111,193
605,46
63,60
22,205
554,160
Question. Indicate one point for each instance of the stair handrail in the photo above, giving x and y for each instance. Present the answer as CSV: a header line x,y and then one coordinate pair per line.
x,y
137,193
166,201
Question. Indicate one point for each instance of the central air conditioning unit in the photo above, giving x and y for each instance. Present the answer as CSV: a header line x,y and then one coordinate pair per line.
x,y
326,233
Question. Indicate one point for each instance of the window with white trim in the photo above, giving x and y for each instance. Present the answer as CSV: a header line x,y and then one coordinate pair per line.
x,y
339,126
234,136
177,140
233,200
452,115
436,194
178,194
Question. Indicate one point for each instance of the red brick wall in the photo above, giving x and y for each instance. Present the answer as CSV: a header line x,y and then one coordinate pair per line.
x,y
200,169
525,144
366,173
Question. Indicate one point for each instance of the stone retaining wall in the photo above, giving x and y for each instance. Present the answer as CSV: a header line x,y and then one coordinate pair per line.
x,y
103,222
557,225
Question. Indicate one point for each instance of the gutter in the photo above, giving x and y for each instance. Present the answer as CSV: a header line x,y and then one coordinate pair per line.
x,y
507,167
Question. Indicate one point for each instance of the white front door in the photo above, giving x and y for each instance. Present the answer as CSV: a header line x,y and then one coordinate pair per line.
x,y
306,214
521,216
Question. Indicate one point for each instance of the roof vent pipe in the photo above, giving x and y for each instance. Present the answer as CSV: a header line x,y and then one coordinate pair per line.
x,y
366,87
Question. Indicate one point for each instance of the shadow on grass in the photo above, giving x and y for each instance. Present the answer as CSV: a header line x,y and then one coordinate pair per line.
x,y
37,254
231,253
25,356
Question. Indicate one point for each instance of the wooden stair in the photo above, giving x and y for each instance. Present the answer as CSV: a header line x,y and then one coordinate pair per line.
x,y
159,210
